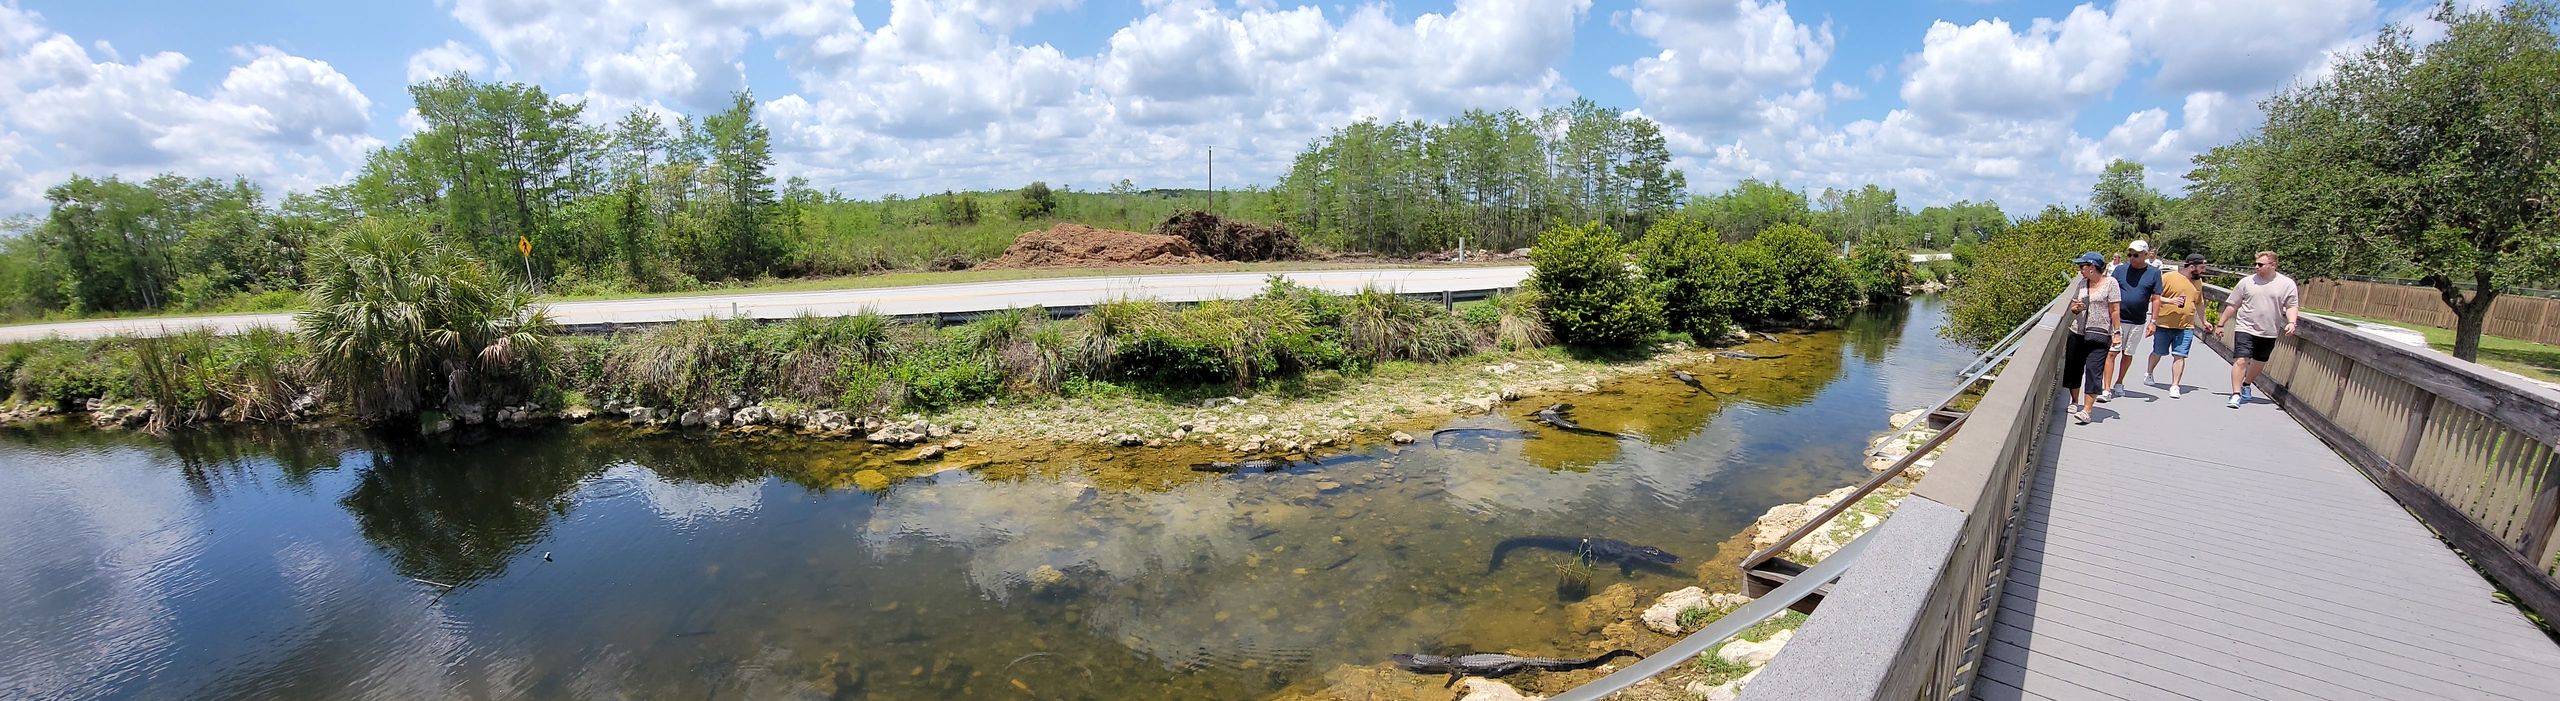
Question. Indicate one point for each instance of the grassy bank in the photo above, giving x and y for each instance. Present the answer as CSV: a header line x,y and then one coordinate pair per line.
x,y
2532,360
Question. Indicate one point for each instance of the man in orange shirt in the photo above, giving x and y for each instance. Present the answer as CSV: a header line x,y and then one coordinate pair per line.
x,y
2173,322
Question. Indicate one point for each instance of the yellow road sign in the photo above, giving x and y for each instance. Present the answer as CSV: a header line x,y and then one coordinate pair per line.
x,y
525,246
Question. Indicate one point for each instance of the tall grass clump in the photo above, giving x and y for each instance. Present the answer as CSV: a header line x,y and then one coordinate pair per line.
x,y
401,321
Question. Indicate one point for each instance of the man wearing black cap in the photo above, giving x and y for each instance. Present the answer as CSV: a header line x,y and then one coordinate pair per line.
x,y
2173,322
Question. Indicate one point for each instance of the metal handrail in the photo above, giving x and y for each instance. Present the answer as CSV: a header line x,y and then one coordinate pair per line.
x,y
1864,488
2007,345
1731,624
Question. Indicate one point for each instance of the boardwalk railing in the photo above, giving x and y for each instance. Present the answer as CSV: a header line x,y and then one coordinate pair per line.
x,y
1911,619
2468,449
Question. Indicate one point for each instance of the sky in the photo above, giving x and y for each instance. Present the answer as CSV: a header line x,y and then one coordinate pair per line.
x,y
2018,102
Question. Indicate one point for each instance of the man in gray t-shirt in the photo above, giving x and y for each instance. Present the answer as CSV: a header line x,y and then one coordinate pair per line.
x,y
2262,309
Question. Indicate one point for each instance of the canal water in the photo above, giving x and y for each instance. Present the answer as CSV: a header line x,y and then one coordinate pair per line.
x,y
586,562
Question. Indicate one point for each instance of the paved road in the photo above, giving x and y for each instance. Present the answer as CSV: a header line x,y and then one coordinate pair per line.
x,y
920,299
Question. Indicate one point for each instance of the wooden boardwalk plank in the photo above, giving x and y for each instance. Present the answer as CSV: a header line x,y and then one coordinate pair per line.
x,y
2180,549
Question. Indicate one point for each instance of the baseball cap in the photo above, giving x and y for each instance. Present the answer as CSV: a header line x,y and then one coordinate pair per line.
x,y
2195,259
2139,246
2090,258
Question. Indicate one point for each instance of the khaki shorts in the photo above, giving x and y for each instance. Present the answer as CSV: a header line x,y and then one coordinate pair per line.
x,y
2128,341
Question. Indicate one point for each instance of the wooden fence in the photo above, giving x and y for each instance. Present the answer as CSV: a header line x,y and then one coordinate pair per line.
x,y
2468,449
2535,319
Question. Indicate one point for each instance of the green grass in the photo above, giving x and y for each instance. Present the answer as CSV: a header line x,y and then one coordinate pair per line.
x,y
910,278
2532,360
1715,669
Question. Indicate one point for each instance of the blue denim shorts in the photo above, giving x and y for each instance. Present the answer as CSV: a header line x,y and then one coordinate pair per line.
x,y
2173,342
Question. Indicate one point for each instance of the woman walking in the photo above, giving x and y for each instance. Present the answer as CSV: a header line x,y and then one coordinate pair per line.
x,y
2092,323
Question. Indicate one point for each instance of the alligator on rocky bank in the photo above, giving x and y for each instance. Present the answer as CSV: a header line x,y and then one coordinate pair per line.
x,y
1628,556
1494,664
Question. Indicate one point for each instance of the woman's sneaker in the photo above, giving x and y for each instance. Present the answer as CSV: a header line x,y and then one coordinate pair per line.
x,y
2173,392
2079,417
2235,402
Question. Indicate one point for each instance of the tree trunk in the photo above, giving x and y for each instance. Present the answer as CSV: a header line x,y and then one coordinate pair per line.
x,y
2471,315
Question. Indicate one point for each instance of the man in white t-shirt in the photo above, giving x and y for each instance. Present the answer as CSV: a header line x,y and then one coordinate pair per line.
x,y
2262,309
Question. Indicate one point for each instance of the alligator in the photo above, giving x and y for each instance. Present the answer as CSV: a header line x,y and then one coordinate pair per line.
x,y
1495,664
1554,416
1772,339
1691,380
1446,437
1629,556
1739,355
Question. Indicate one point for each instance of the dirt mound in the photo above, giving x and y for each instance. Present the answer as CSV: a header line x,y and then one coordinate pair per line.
x,y
1233,240
1080,246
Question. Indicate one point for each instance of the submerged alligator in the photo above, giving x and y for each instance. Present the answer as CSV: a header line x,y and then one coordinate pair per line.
x,y
1553,415
1446,437
1691,380
1495,664
1629,556
1739,355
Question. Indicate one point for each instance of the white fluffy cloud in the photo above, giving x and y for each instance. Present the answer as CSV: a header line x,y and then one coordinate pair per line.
x,y
288,121
1987,70
2212,45
1718,60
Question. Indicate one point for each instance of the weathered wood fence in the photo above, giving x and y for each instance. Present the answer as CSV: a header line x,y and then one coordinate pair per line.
x,y
2468,449
2535,319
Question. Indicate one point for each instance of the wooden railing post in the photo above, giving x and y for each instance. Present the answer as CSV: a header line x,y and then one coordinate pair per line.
x,y
2418,411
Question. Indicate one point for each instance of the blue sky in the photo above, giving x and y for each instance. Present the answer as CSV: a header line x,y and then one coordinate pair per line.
x,y
2019,102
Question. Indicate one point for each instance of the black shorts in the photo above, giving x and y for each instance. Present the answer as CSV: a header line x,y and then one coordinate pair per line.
x,y
2252,346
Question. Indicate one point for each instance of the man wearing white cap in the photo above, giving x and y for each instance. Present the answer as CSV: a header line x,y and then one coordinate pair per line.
x,y
2138,281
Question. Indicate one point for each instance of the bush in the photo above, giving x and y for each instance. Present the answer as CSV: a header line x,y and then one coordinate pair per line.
x,y
1034,201
63,372
2032,265
943,374
1693,272
1882,272
1810,284
404,322
1590,299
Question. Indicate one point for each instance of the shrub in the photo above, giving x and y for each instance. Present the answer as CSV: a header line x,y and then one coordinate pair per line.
x,y
62,372
1589,297
942,374
402,321
1693,272
1034,201
1882,272
1812,284
2032,264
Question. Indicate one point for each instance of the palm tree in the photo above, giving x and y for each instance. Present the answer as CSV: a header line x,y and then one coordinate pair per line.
x,y
403,322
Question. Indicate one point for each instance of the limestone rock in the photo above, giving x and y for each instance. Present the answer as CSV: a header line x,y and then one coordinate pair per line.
x,y
692,418
1480,689
717,416
1401,438
1256,421
1664,616
1129,440
1755,654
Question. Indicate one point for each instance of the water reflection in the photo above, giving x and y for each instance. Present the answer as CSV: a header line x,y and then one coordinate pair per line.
x,y
279,564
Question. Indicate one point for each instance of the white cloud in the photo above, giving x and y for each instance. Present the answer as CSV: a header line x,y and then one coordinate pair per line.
x,y
446,59
2238,46
1985,69
1718,58
287,121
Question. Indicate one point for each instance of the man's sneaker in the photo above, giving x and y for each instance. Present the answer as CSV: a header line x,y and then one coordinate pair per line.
x,y
2079,417
2147,381
2235,402
2173,392
2245,394
2106,396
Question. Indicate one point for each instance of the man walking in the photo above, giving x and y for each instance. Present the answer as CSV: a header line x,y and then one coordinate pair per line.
x,y
2263,308
2138,281
2173,322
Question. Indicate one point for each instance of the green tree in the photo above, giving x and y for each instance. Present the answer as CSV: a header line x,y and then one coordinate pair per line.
x,y
1861,215
404,322
1693,274
2120,195
744,240
1034,201
1813,285
1881,271
1749,207
2443,158
2033,264
1966,221
1586,293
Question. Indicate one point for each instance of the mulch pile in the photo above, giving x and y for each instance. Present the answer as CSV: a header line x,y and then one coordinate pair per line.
x,y
1080,246
1233,240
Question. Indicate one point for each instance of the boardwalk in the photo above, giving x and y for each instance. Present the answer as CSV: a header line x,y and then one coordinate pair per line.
x,y
2179,549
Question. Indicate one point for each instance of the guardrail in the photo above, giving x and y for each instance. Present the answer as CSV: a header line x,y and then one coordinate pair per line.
x,y
2468,449
1910,620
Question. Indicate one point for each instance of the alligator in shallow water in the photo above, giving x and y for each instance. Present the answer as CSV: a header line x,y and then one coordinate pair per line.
x,y
1690,380
1629,556
1495,664
1447,437
1554,416
1739,355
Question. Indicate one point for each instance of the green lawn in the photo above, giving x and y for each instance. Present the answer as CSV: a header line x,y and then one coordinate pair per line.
x,y
2525,358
